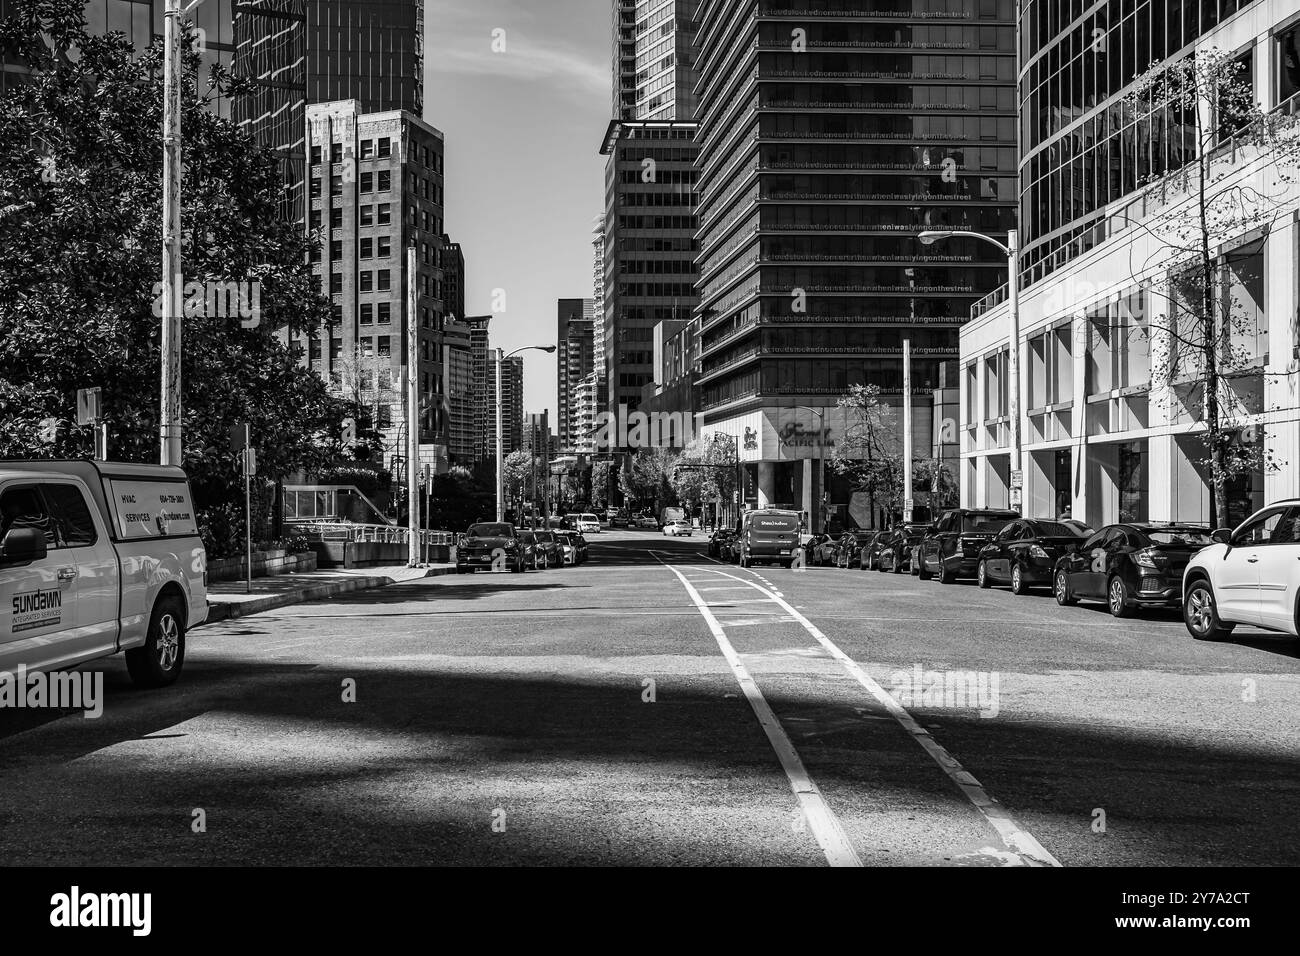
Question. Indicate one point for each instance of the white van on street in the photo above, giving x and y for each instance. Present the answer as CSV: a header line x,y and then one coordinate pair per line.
x,y
98,558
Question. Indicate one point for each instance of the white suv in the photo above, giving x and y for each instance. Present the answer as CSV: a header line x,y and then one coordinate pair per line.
x,y
1251,576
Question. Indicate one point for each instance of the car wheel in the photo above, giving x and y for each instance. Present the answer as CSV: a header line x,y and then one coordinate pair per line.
x,y
744,560
1117,598
519,565
922,571
896,564
159,662
946,576
1201,614
1061,590
981,575
1018,585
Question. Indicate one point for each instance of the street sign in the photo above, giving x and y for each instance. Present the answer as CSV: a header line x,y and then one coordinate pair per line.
x,y
1015,498
89,409
1017,479
238,438
908,505
250,462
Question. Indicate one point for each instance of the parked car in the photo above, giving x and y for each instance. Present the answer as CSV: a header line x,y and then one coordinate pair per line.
x,y
566,546
575,540
492,544
718,539
1025,552
533,557
820,550
98,559
1130,566
677,528
951,551
645,520
897,550
1247,576
869,556
549,545
729,548
849,552
770,535
587,523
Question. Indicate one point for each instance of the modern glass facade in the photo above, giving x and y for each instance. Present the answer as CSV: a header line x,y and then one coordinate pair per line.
x,y
650,249
831,132
1083,148
653,57
371,51
271,50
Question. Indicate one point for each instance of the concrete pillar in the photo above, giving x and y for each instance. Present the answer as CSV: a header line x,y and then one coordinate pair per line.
x,y
811,498
766,483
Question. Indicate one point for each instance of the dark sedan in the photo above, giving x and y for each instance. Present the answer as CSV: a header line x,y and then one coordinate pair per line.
x,y
718,539
952,549
869,556
895,552
848,553
573,545
1024,553
549,545
1130,566
536,556
493,546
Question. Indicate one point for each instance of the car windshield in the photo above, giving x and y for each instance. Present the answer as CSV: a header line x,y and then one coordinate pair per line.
x,y
1177,536
546,536
490,530
1057,529
590,518
985,524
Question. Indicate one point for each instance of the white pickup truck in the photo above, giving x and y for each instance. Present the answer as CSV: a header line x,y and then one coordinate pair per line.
x,y
98,558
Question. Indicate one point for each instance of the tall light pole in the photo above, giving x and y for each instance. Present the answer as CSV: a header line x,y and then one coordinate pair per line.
x,y
1012,251
501,356
170,448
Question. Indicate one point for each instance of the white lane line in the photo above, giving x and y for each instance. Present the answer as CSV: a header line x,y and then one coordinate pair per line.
x,y
1017,839
822,821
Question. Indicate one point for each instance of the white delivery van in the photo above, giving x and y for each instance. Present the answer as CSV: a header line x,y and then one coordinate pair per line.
x,y
97,558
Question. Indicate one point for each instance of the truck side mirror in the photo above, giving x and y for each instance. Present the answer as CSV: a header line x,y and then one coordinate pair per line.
x,y
22,545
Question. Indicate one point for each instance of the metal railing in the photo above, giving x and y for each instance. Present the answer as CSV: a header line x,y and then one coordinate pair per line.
x,y
369,533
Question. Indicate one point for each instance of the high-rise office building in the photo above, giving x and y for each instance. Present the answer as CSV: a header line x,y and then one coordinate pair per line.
x,y
371,51
453,269
483,391
574,361
650,246
271,52
653,58
830,135
511,400
458,370
375,189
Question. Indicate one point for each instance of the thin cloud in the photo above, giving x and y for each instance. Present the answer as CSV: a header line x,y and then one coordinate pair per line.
x,y
522,61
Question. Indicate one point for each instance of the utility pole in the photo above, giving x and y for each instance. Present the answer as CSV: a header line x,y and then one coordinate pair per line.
x,y
169,422
412,413
907,429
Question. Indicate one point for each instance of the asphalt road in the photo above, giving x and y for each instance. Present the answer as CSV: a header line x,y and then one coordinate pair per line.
x,y
657,707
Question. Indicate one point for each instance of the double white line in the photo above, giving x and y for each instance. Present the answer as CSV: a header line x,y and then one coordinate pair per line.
x,y
822,821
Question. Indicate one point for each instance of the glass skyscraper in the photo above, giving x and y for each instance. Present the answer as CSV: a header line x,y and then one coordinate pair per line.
x,y
371,51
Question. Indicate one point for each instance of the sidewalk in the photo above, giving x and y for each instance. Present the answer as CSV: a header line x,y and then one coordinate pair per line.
x,y
227,599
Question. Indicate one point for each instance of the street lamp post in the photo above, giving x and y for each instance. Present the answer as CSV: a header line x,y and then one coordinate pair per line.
x,y
1012,251
501,356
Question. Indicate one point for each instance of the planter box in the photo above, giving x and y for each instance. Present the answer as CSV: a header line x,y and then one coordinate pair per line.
x,y
265,564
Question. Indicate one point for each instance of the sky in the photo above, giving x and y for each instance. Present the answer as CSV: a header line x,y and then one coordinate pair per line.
x,y
524,174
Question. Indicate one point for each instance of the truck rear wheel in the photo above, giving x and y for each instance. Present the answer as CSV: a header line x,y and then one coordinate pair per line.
x,y
159,662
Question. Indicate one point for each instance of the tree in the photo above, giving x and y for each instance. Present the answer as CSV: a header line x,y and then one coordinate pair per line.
x,y
705,471
80,234
645,479
516,473
1207,341
870,456
600,471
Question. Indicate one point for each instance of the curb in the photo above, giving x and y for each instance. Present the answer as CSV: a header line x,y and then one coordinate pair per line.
x,y
219,611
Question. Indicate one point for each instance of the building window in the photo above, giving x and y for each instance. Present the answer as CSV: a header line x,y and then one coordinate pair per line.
x,y
336,314
385,280
367,148
385,181
315,187
1287,55
315,219
385,347
385,312
365,282
367,313
367,248
336,218
336,185
315,155
336,283
367,182
367,215
385,214
385,146
336,152
336,250
385,246
336,348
